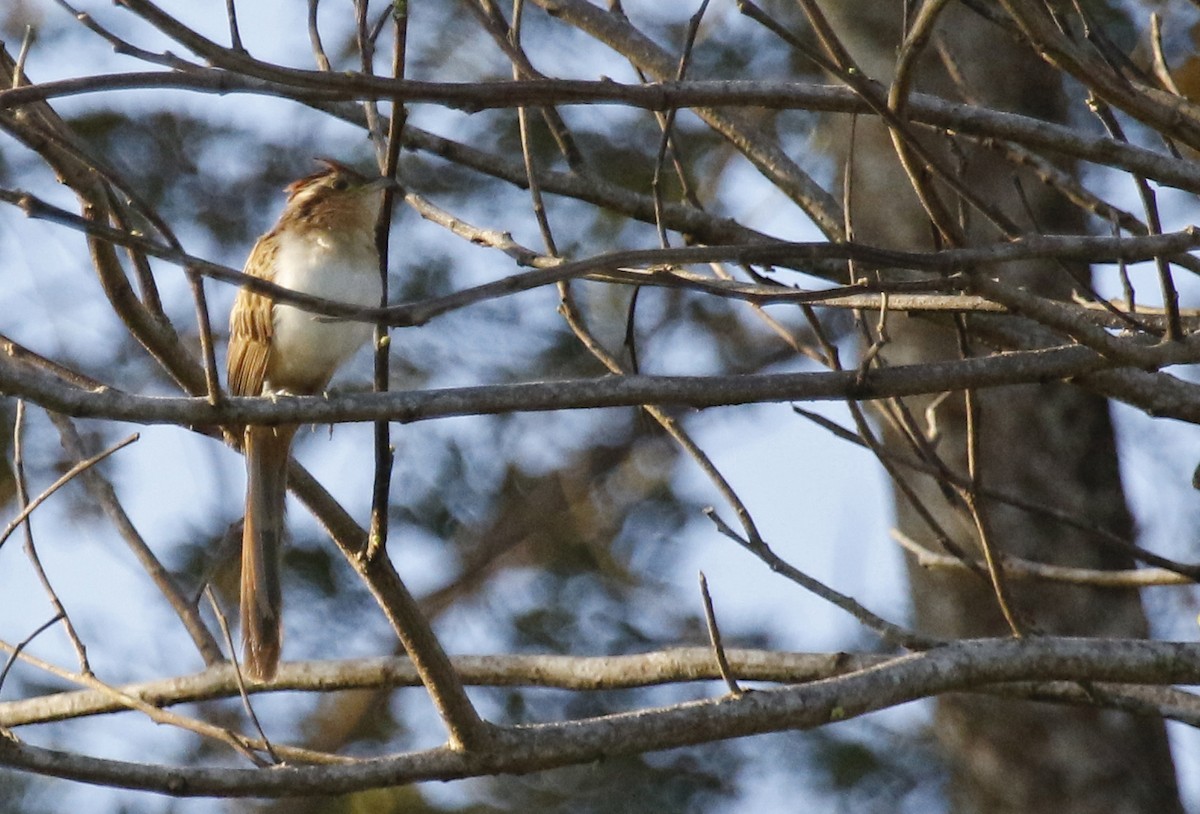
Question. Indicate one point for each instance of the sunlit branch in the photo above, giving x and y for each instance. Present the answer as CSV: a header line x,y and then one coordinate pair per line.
x,y
1019,568
957,666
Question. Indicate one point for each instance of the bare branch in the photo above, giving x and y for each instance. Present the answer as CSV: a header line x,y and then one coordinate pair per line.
x,y
1177,400
714,636
1018,568
103,493
953,667
889,632
62,481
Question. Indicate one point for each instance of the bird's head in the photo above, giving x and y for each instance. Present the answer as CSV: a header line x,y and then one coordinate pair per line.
x,y
336,197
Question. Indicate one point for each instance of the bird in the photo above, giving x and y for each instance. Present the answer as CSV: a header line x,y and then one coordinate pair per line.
x,y
323,244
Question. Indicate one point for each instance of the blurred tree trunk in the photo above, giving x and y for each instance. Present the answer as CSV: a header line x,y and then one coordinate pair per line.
x,y
1053,444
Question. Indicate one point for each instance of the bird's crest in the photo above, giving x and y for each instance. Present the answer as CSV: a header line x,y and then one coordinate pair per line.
x,y
332,169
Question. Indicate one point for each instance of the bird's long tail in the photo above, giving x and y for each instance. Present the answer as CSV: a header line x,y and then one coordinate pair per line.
x,y
267,451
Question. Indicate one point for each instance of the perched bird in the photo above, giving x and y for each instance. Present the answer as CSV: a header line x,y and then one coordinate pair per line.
x,y
323,244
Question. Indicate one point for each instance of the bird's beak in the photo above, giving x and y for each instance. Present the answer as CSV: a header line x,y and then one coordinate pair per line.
x,y
385,183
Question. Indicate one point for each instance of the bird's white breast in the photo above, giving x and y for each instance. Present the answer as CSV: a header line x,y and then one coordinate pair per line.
x,y
307,348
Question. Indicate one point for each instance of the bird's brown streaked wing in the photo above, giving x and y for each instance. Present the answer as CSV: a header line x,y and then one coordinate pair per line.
x,y
251,324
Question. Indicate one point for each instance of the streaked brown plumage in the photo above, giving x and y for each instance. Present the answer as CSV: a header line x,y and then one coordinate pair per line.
x,y
323,244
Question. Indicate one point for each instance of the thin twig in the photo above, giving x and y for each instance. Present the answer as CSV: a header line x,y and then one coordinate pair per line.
x,y
531,175
492,238
1161,71
888,631
141,264
314,37
667,139
18,447
223,623
916,167
714,638
15,651
1170,294
666,123
235,36
121,46
212,379
366,50
22,55
995,570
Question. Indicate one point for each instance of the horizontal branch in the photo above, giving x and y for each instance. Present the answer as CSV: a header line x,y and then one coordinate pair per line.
x,y
1021,568
671,666
1020,367
930,303
316,86
954,667
803,256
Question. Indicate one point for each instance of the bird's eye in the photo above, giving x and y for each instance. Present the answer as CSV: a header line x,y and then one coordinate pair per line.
x,y
340,184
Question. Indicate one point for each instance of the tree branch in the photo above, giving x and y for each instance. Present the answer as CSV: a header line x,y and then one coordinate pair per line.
x,y
960,666
1017,367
